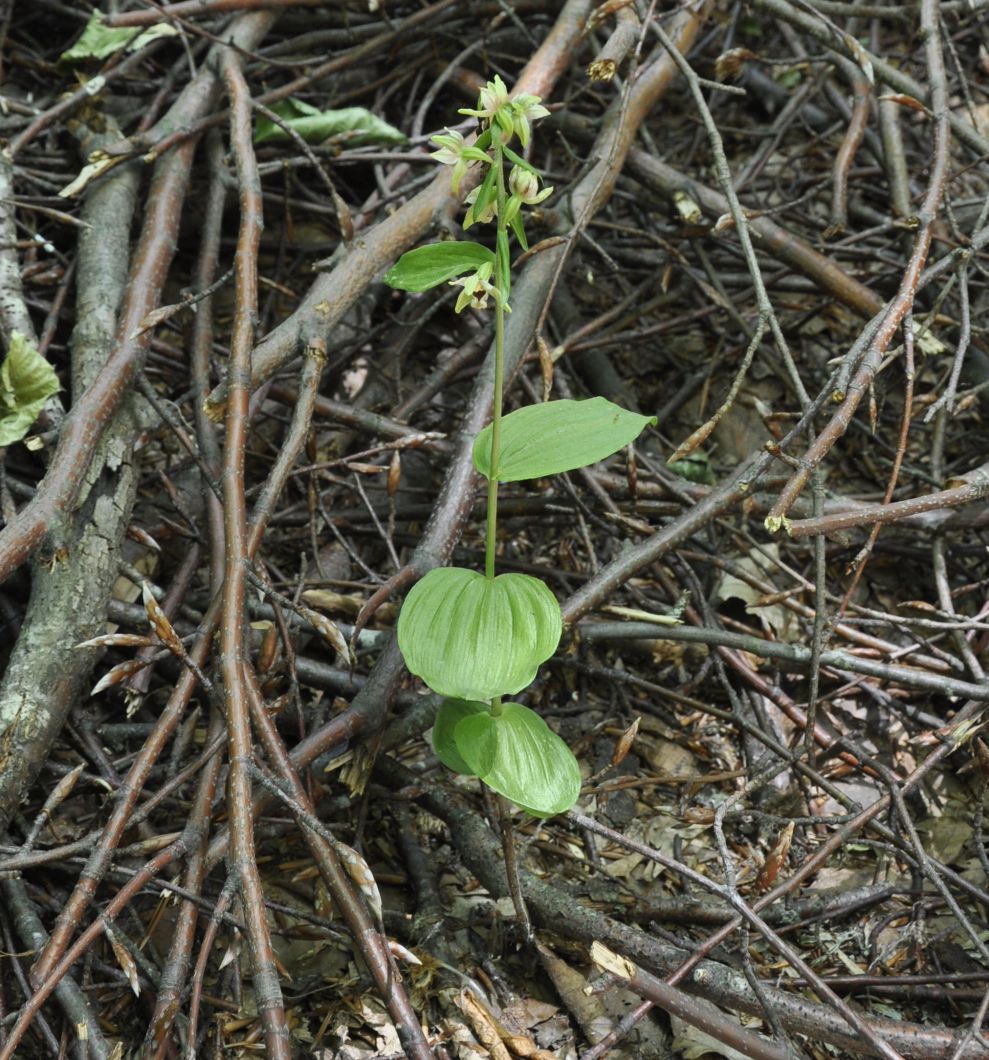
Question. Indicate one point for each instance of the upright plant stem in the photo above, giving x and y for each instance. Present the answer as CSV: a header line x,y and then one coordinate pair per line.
x,y
500,270
491,531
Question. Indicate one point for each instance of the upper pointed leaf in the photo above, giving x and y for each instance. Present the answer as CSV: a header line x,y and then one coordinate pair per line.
x,y
429,266
471,637
518,755
558,436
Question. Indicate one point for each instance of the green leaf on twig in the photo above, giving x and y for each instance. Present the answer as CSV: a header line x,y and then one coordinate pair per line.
x,y
695,468
356,125
99,40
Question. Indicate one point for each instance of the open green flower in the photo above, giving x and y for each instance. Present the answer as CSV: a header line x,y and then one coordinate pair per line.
x,y
492,101
526,108
477,289
455,151
513,116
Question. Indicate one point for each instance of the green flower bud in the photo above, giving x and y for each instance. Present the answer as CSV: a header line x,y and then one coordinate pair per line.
x,y
524,184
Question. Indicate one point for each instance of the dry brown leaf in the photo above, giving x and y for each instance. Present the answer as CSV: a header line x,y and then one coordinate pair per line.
x,y
329,601
482,1025
587,1010
624,743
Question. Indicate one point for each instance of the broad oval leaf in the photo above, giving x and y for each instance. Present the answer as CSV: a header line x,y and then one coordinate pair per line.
x,y
529,763
557,436
471,637
450,714
429,266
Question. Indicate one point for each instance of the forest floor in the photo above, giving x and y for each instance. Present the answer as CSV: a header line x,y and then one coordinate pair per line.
x,y
224,830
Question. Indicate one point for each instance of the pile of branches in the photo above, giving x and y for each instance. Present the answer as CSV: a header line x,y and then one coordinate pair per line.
x,y
769,230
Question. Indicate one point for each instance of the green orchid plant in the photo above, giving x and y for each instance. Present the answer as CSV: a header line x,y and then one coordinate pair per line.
x,y
476,638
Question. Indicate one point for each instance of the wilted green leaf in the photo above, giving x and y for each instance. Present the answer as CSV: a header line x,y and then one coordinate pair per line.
x,y
558,436
98,40
471,637
27,381
429,266
945,837
450,714
695,468
357,125
518,755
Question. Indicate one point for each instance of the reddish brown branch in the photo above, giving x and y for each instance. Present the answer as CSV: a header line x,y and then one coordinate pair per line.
x,y
85,940
233,618
372,945
891,513
861,98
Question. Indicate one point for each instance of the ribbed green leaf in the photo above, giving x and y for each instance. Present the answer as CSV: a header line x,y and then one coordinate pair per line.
x,y
470,637
518,755
557,436
429,266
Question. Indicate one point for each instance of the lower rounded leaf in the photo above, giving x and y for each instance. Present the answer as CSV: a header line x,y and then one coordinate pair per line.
x,y
518,755
474,638
450,714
